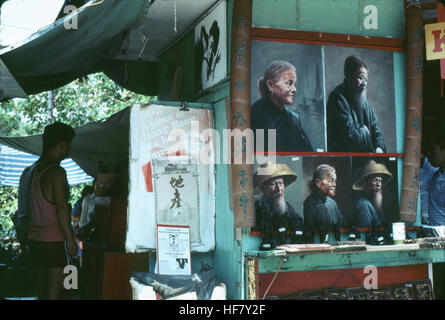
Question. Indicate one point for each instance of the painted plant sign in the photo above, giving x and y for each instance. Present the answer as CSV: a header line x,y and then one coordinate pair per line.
x,y
211,49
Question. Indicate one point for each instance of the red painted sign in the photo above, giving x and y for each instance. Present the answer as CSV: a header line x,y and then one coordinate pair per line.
x,y
441,18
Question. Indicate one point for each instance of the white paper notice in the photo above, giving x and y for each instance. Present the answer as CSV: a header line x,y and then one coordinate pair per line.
x,y
173,250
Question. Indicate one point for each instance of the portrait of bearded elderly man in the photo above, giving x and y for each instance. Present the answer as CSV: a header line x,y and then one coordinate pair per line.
x,y
368,195
277,89
272,211
352,125
320,210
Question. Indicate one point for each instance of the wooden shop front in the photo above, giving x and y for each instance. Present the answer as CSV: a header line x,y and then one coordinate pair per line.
x,y
317,275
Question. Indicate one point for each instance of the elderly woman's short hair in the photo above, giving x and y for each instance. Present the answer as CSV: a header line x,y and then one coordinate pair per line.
x,y
319,173
273,72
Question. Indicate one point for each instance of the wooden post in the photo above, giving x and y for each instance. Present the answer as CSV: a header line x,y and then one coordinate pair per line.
x,y
241,173
413,125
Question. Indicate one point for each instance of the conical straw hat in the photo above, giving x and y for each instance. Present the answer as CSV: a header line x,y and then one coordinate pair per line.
x,y
370,168
272,170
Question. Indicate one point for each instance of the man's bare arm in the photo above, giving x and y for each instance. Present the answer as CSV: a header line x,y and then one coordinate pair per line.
x,y
60,185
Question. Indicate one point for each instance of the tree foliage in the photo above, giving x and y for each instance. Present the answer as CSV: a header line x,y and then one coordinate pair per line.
x,y
82,101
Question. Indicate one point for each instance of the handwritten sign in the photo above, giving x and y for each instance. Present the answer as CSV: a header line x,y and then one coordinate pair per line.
x,y
435,41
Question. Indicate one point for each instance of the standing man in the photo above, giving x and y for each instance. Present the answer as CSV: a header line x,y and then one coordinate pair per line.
x,y
321,212
43,198
433,177
277,89
432,187
273,213
352,125
368,198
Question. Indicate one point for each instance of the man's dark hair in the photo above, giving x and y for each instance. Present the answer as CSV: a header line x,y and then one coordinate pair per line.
x,y
87,190
55,133
352,64
435,134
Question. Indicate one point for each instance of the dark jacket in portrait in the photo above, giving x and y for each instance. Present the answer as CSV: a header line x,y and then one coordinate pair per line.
x,y
290,134
322,214
364,212
345,127
267,220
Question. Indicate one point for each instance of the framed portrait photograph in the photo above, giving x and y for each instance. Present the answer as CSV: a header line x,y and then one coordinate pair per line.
x,y
360,106
287,94
340,192
309,194
211,48
323,98
325,194
375,191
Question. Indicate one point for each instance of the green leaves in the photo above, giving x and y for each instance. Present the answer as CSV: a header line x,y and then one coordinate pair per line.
x,y
91,98
8,205
82,101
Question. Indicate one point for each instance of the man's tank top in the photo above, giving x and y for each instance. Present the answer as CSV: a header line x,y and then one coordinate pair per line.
x,y
43,224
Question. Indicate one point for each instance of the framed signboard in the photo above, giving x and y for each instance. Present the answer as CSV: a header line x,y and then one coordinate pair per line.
x,y
168,183
177,195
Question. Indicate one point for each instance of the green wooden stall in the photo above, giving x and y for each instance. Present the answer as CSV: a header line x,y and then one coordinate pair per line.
x,y
372,24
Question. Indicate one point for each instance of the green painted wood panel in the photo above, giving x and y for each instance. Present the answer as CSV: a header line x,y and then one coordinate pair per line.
x,y
330,16
329,261
224,232
228,254
188,65
399,59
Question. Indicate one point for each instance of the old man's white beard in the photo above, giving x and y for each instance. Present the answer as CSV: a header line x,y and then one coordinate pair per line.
x,y
359,99
377,200
279,204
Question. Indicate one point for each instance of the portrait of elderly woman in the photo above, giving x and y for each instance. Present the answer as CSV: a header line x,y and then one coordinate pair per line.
x,y
277,88
287,94
321,212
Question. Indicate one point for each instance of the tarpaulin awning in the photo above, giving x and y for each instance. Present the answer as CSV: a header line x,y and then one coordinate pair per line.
x,y
13,162
106,141
59,54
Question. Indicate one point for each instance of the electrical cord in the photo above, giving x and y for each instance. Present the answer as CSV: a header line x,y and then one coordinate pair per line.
x,y
273,280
